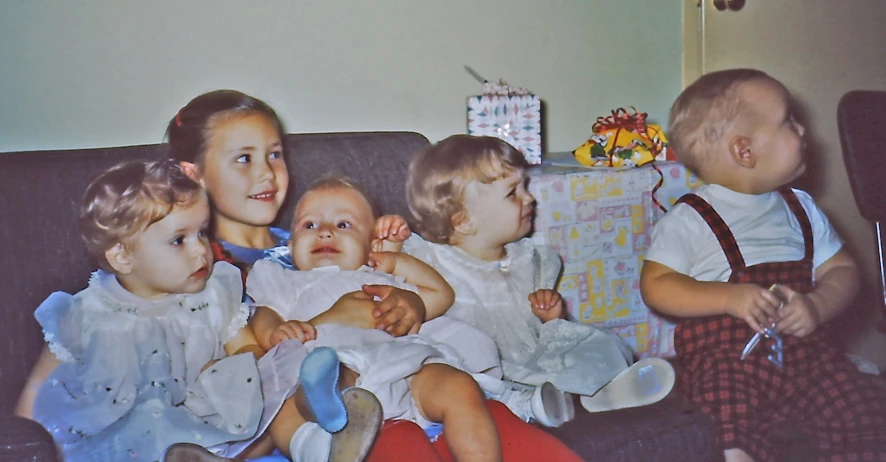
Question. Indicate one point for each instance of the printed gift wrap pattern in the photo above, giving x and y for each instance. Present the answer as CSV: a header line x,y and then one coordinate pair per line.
x,y
513,118
599,220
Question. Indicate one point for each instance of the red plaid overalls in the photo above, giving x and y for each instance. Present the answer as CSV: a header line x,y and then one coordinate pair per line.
x,y
842,410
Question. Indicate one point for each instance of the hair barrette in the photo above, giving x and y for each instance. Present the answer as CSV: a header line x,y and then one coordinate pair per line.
x,y
178,118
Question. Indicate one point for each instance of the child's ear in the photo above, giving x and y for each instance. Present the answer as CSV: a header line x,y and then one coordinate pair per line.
x,y
741,151
119,259
462,224
191,171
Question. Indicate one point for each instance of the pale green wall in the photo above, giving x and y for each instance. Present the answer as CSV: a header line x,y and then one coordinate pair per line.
x,y
93,73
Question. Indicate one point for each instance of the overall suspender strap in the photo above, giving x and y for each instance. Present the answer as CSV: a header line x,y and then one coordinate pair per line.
x,y
802,218
718,226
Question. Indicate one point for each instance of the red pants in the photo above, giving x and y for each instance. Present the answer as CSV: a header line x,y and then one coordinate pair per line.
x,y
520,442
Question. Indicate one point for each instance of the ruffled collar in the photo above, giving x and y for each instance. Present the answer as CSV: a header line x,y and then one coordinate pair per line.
x,y
122,300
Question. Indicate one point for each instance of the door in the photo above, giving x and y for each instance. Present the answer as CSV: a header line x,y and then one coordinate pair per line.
x,y
819,49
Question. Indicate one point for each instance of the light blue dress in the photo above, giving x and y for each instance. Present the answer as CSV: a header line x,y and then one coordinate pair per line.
x,y
249,256
130,381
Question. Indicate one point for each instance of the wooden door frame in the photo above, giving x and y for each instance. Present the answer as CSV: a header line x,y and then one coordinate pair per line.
x,y
693,41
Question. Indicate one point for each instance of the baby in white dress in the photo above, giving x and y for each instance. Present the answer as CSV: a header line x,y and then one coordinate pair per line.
x,y
415,377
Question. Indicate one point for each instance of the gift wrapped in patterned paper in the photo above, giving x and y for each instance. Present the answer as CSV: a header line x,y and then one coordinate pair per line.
x,y
623,139
509,113
600,221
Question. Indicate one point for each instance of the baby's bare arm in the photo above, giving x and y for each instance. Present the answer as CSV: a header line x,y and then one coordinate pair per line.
x,y
351,309
670,292
244,342
674,293
434,291
46,363
836,284
264,321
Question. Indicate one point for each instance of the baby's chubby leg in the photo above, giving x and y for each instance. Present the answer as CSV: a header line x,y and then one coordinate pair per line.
x,y
285,424
445,394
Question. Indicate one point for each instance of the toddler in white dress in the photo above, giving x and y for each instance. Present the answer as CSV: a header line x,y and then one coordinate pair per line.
x,y
468,198
156,350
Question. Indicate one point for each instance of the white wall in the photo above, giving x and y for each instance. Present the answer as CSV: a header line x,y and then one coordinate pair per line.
x,y
89,73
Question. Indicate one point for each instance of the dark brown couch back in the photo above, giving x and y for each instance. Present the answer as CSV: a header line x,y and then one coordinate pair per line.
x,y
40,193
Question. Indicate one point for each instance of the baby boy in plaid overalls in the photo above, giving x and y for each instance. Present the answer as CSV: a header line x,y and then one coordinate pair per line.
x,y
716,253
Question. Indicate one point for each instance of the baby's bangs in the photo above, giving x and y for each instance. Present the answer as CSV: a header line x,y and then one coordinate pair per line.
x,y
493,167
156,210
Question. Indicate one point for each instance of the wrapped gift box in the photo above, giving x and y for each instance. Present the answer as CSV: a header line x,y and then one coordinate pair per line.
x,y
515,119
599,220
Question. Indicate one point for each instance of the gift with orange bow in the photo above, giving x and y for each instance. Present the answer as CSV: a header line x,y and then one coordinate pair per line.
x,y
623,139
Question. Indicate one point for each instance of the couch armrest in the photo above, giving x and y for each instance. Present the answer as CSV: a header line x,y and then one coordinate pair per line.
x,y
23,439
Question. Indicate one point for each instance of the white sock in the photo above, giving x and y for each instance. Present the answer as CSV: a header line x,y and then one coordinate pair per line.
x,y
517,397
310,443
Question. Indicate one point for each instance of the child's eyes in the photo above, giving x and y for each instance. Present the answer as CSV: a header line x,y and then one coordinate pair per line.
x,y
276,155
245,158
309,225
203,233
343,225
178,240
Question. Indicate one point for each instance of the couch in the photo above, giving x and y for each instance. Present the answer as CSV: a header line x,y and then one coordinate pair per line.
x,y
42,252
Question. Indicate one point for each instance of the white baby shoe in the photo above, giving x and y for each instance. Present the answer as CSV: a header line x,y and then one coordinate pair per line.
x,y
645,382
550,406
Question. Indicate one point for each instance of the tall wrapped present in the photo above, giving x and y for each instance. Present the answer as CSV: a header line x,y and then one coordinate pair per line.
x,y
509,113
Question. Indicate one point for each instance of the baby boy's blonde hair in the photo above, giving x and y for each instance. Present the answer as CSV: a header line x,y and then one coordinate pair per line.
x,y
331,181
438,176
127,198
704,111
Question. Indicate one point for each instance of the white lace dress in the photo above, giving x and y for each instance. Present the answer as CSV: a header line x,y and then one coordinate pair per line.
x,y
384,363
493,297
130,384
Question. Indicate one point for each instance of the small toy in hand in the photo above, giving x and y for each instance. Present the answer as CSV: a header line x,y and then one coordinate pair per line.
x,y
623,139
777,347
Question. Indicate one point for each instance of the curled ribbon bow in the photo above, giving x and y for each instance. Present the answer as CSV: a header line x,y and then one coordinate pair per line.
x,y
621,119
621,138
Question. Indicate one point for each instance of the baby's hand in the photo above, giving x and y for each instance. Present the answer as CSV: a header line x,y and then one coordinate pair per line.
x,y
390,232
383,261
301,331
798,317
755,305
546,304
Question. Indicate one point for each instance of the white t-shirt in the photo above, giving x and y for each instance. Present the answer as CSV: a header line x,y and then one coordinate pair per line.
x,y
764,227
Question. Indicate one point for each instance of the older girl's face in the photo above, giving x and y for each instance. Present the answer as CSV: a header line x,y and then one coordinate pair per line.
x,y
243,170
